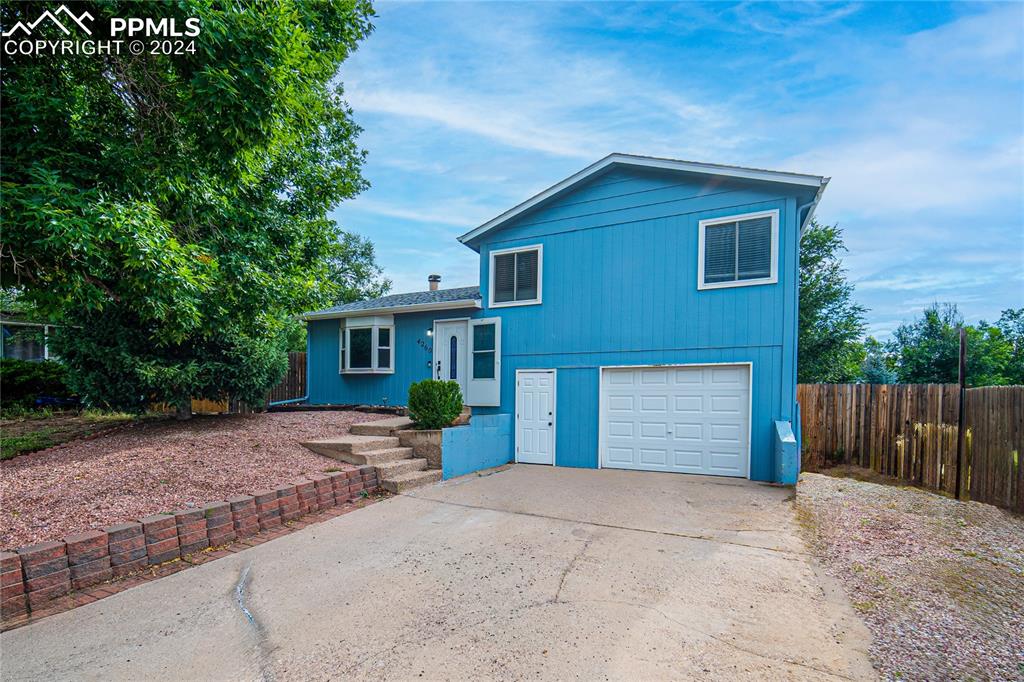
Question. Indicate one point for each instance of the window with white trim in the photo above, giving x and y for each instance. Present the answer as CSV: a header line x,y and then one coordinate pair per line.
x,y
739,250
367,348
516,276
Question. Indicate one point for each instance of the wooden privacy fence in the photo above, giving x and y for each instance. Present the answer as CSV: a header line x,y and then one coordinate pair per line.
x,y
910,431
293,384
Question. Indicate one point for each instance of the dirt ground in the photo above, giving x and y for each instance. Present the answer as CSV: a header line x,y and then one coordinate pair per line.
x,y
38,431
939,582
156,467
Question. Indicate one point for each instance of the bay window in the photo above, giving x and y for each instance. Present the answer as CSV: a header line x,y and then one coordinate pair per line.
x,y
367,346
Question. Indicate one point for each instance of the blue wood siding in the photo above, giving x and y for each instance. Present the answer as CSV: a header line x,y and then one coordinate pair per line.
x,y
620,288
412,362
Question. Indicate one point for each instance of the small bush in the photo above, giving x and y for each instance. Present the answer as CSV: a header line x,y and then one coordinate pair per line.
x,y
434,404
22,381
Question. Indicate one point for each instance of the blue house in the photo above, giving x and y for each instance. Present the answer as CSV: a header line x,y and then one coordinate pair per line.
x,y
640,314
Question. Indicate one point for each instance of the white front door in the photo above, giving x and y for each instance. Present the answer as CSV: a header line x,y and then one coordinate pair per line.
x,y
450,352
535,416
689,419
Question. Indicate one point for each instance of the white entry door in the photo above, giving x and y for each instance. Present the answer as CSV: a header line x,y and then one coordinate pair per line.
x,y
687,419
450,352
535,416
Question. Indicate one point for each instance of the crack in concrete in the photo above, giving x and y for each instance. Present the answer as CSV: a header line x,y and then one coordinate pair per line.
x,y
568,569
717,638
790,554
240,594
262,650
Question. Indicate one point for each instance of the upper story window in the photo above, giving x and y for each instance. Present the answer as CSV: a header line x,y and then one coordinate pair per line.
x,y
366,347
739,250
516,276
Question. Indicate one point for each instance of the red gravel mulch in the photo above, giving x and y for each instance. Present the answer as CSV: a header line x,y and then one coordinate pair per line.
x,y
159,467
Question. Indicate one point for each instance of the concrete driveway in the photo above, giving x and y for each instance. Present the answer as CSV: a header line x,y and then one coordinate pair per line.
x,y
532,572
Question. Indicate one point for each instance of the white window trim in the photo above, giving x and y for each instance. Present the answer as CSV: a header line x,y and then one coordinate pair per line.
x,y
345,357
702,227
539,248
484,392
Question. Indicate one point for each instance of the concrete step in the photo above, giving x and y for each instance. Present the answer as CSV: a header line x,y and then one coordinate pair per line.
x,y
387,470
342,447
378,457
382,427
415,479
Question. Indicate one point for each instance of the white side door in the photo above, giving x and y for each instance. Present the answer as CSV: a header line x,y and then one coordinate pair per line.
x,y
450,352
535,416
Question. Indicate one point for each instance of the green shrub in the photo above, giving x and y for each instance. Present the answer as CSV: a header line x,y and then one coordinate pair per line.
x,y
21,381
434,404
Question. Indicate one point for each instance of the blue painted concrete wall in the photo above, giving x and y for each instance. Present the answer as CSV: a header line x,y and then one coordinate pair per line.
x,y
619,288
487,441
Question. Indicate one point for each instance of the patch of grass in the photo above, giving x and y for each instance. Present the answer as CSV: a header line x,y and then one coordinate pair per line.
x,y
12,446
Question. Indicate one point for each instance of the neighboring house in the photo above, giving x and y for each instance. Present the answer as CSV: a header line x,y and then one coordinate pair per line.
x,y
641,314
24,340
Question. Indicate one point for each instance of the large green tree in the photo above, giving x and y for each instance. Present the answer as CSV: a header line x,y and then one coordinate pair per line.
x,y
172,209
877,366
355,272
831,323
1011,324
927,350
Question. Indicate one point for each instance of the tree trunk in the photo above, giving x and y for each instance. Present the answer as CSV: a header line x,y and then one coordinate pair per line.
x,y
183,409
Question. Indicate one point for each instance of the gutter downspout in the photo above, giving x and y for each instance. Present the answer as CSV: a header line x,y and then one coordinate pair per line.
x,y
304,398
810,206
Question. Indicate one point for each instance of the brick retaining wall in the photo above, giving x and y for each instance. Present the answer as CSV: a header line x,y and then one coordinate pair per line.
x,y
32,577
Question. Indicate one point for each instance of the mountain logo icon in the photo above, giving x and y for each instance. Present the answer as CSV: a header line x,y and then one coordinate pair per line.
x,y
52,16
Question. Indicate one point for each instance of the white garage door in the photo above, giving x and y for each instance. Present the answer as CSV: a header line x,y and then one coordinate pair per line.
x,y
692,420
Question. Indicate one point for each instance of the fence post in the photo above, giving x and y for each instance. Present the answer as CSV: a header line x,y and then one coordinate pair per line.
x,y
961,432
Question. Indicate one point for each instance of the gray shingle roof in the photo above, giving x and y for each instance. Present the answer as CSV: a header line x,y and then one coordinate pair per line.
x,y
399,300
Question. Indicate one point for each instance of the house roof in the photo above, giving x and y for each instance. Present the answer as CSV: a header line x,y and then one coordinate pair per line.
x,y
461,297
814,181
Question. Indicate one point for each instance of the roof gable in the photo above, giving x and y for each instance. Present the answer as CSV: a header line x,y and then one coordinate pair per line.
x,y
815,182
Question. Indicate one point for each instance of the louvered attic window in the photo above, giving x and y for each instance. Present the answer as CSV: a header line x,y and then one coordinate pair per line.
x,y
738,250
516,276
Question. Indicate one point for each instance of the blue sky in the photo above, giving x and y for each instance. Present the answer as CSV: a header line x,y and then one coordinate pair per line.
x,y
915,110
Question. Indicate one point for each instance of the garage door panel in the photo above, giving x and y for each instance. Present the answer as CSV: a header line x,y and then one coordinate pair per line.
x,y
729,376
658,430
620,403
726,404
725,433
690,459
654,456
724,461
687,377
689,404
620,455
684,419
654,403
620,429
620,379
689,431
